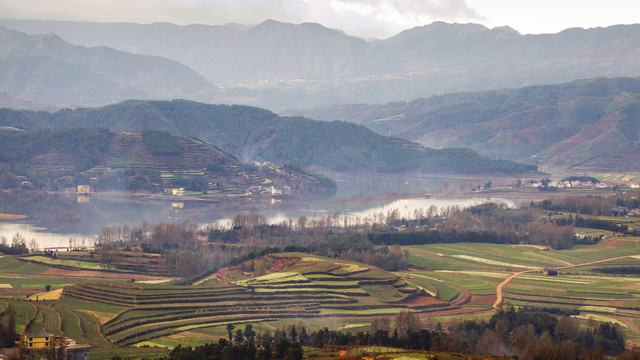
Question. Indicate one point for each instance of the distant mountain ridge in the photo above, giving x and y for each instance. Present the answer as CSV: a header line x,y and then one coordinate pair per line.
x,y
279,66
253,134
591,124
48,70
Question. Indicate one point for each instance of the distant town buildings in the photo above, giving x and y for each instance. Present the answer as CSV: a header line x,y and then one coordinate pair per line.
x,y
563,184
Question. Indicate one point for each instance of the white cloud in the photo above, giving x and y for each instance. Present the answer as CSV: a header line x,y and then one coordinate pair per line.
x,y
366,18
379,18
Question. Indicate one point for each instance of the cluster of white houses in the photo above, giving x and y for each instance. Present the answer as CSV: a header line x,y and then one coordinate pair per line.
x,y
566,184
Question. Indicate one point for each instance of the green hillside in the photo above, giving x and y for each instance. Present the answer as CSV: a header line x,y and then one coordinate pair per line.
x,y
259,135
589,123
153,161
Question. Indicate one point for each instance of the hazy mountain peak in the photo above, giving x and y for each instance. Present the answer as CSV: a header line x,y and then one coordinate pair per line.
x,y
78,75
506,28
270,24
274,25
439,27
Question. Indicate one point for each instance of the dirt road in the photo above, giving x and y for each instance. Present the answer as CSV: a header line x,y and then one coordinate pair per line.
x,y
499,291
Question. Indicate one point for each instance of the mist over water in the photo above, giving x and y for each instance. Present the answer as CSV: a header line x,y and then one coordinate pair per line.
x,y
64,219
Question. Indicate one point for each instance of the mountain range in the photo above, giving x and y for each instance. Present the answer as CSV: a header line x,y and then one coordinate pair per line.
x,y
253,134
588,124
281,66
48,70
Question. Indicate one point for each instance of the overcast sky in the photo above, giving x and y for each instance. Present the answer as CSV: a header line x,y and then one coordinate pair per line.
x,y
364,18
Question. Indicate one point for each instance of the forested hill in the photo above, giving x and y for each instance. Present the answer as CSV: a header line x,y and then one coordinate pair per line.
x,y
591,124
255,134
151,161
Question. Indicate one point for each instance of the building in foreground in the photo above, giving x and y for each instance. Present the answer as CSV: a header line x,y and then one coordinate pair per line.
x,y
52,346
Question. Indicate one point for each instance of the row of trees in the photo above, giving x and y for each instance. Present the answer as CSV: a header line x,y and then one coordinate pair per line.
x,y
528,334
522,334
18,245
223,350
373,240
589,205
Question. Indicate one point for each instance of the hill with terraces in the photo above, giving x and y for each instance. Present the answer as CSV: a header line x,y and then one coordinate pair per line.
x,y
151,161
296,286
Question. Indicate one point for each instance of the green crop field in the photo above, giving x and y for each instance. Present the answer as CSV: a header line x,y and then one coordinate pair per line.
x,y
445,283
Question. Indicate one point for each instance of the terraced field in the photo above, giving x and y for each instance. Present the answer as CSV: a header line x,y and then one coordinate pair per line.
x,y
446,283
303,287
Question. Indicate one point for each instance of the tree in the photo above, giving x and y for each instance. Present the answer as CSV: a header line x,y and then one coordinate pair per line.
x,y
230,328
609,337
33,245
293,334
8,327
48,287
18,240
406,321
567,329
303,338
294,352
239,337
249,333
380,324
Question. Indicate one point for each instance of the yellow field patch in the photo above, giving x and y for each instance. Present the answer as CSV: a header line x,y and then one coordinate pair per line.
x,y
352,326
549,279
312,259
497,275
151,343
600,318
50,295
153,282
212,276
6,286
354,268
494,262
605,309
99,316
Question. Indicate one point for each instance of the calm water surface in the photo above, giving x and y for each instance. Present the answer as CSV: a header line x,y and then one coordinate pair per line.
x,y
61,220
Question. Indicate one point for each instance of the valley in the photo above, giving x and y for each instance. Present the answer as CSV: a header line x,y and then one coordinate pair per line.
x,y
131,302
244,182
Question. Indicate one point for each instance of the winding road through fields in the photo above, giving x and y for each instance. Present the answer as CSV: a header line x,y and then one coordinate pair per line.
x,y
500,287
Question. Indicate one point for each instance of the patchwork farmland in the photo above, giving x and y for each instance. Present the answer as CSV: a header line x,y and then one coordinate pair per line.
x,y
121,312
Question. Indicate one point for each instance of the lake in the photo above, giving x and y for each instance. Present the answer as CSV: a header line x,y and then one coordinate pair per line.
x,y
64,219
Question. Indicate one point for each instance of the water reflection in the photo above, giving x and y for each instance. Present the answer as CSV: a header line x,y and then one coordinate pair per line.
x,y
55,220
410,208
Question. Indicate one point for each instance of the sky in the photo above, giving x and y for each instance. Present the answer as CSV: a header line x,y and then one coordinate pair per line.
x,y
364,18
